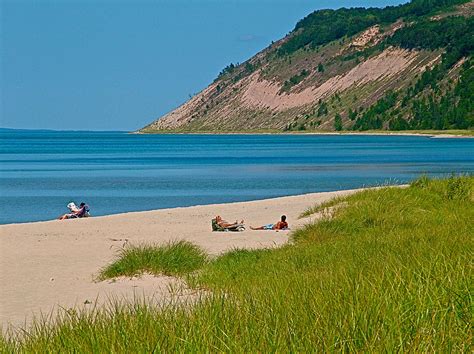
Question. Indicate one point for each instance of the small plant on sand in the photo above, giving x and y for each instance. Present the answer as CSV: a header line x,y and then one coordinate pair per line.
x,y
173,258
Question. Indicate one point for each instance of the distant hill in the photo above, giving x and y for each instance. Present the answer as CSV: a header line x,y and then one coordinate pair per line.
x,y
397,68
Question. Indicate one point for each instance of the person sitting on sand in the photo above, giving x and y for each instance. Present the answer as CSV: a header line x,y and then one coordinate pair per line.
x,y
280,225
225,224
81,212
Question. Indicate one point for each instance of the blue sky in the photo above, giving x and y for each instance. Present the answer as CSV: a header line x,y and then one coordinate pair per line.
x,y
118,65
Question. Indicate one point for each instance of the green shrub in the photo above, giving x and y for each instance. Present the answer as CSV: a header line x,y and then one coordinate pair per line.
x,y
459,189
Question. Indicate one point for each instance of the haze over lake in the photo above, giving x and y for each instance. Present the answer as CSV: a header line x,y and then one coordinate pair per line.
x,y
114,172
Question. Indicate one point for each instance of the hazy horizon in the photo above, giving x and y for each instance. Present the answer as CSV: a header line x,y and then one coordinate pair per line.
x,y
100,66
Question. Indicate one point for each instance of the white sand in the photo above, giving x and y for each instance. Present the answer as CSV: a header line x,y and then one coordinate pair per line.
x,y
45,266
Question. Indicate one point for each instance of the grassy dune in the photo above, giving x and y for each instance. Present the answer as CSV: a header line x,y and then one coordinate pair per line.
x,y
388,270
173,258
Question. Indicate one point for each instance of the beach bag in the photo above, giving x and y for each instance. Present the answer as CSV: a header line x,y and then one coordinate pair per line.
x,y
87,212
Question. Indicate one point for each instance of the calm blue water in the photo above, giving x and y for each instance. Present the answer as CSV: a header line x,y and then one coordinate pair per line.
x,y
117,172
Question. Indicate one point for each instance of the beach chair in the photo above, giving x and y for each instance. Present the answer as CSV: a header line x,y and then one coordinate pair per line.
x,y
235,228
83,214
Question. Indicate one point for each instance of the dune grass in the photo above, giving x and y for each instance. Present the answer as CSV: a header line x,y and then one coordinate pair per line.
x,y
324,207
389,271
173,258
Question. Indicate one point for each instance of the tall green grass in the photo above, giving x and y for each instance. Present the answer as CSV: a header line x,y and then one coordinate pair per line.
x,y
390,271
173,258
325,208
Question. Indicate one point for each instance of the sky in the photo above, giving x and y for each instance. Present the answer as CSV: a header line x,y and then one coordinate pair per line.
x,y
119,65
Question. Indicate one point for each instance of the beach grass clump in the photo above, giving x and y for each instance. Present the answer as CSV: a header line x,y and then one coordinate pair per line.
x,y
173,258
323,207
390,271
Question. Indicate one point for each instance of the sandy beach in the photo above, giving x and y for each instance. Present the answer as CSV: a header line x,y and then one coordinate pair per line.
x,y
46,266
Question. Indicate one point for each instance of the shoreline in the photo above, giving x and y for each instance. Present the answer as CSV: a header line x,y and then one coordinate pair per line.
x,y
434,135
138,212
51,265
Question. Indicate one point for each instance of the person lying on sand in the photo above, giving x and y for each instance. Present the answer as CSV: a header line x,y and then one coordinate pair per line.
x,y
81,212
225,224
280,225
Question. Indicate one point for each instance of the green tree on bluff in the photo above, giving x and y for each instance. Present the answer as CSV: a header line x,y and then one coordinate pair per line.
x,y
338,122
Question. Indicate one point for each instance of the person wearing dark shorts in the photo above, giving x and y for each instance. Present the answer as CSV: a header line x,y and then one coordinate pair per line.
x,y
280,225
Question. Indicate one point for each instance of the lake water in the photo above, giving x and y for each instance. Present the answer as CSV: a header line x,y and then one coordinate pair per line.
x,y
40,172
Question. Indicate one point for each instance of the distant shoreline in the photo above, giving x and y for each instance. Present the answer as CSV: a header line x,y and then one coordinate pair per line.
x,y
434,134
424,133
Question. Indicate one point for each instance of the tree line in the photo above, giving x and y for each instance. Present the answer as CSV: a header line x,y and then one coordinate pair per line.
x,y
324,26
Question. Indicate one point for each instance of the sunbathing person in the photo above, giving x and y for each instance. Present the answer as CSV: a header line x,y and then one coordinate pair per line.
x,y
280,225
225,224
81,212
